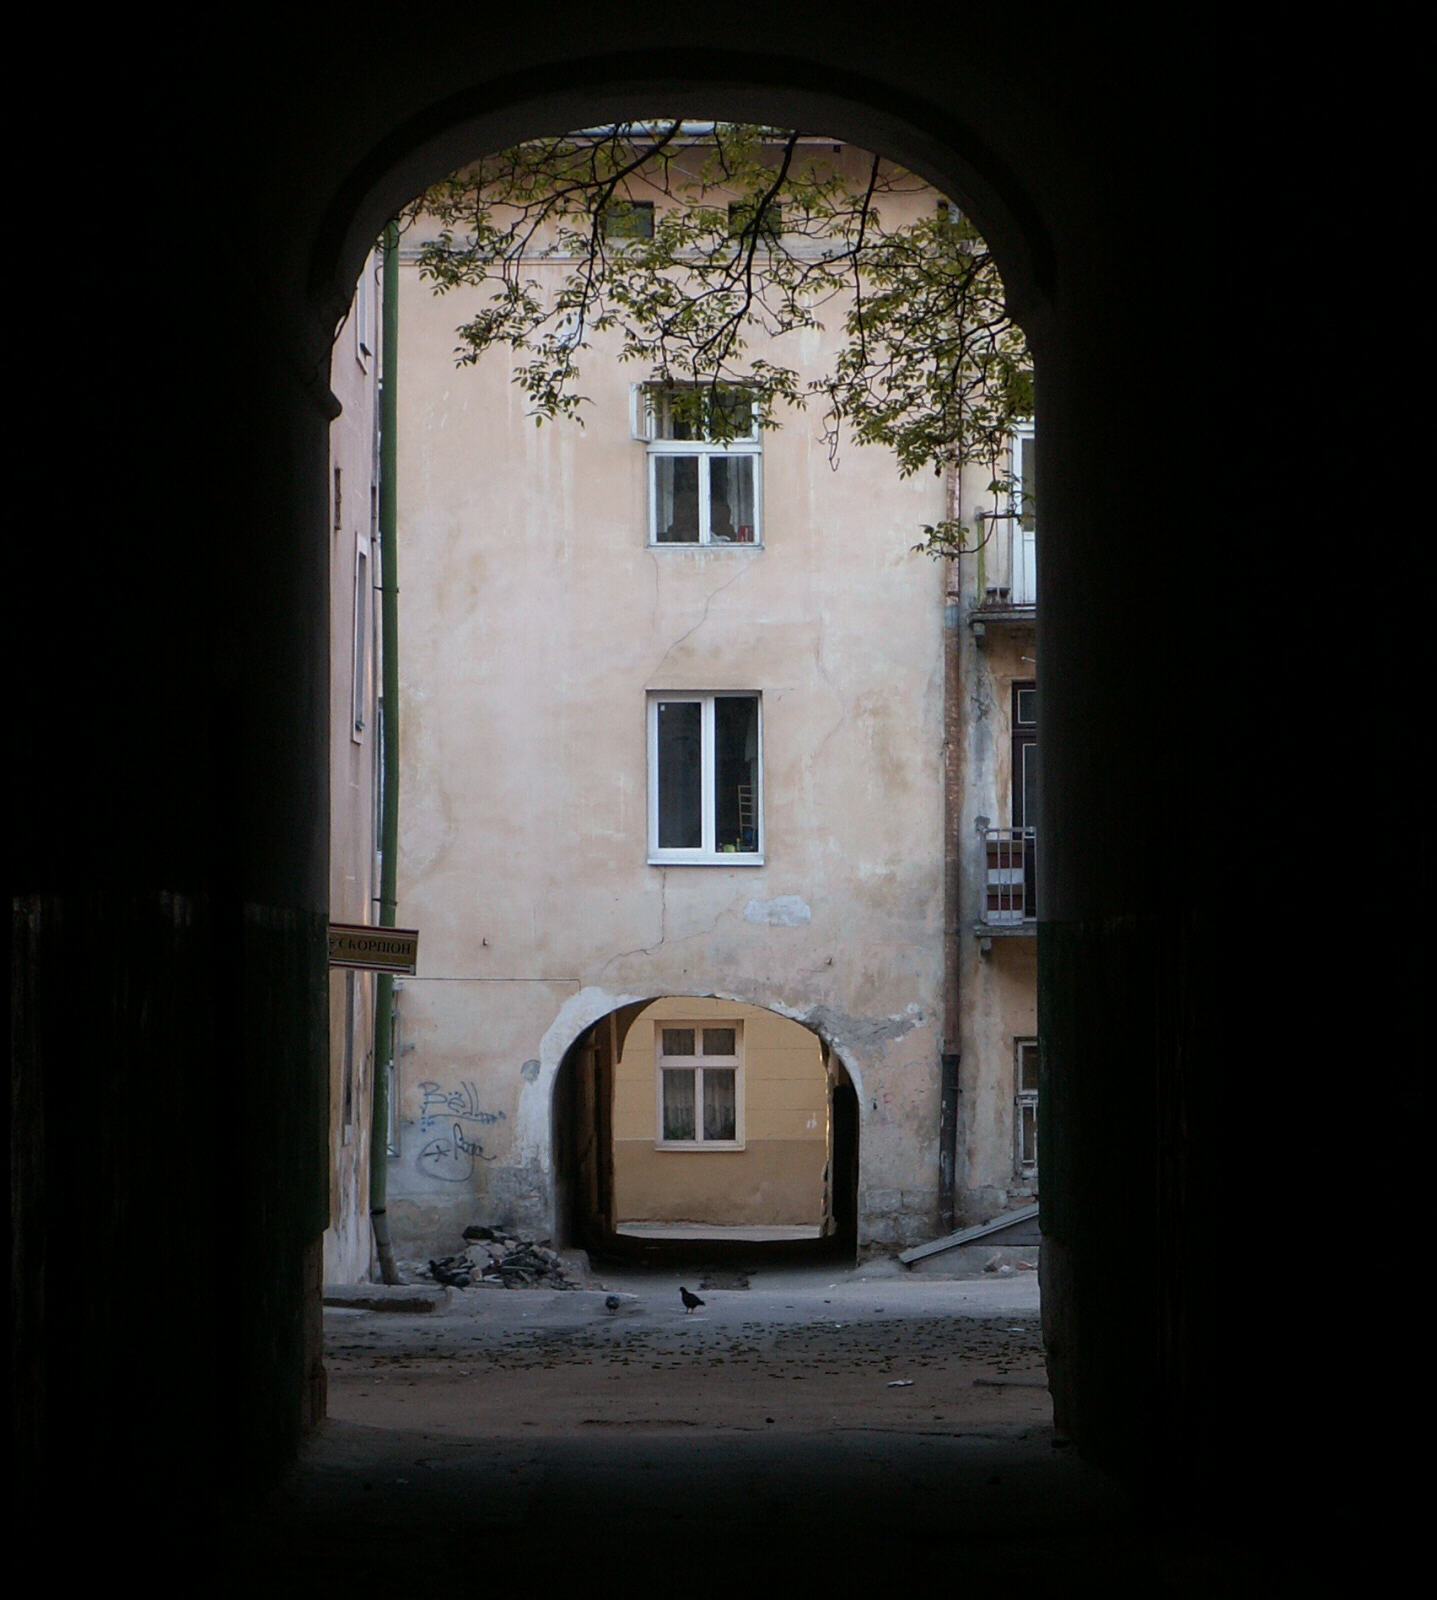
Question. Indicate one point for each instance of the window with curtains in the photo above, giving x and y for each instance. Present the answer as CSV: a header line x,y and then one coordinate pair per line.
x,y
699,1071
703,467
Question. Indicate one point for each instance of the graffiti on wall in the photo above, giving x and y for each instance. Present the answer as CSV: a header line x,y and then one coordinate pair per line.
x,y
438,1104
451,1156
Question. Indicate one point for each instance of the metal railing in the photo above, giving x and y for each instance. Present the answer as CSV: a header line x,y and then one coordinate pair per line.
x,y
1010,891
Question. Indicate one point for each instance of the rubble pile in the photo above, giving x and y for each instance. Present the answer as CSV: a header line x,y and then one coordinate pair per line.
x,y
493,1256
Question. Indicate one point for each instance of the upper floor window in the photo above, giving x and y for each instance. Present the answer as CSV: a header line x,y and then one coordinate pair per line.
x,y
770,222
629,219
364,314
705,759
1025,522
704,477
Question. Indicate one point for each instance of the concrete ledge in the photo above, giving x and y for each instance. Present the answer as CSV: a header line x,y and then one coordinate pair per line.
x,y
412,1297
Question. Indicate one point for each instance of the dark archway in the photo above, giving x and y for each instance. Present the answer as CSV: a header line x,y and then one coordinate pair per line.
x,y
169,863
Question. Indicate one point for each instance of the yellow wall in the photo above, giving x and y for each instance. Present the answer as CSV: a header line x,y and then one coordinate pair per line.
x,y
777,1177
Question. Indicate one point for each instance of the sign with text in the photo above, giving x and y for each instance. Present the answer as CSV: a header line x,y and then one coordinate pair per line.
x,y
374,949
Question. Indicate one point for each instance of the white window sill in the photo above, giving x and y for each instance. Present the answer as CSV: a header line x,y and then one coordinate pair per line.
x,y
713,544
724,858
689,1146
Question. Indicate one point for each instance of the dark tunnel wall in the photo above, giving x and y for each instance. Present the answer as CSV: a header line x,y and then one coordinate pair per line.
x,y
1230,980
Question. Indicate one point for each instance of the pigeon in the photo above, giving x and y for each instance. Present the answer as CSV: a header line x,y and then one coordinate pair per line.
x,y
613,1302
689,1300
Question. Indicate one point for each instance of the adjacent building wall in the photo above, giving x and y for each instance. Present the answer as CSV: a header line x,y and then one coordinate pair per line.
x,y
354,756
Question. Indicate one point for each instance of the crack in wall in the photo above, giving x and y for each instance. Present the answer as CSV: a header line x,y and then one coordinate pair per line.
x,y
709,598
663,938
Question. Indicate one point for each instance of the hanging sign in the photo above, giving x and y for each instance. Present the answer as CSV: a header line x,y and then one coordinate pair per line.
x,y
374,949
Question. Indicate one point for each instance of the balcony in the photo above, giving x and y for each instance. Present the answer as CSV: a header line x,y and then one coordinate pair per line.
x,y
1011,597
1010,889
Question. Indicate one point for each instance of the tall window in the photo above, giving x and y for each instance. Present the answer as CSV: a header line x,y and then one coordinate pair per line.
x,y
360,687
705,764
700,1091
703,490
1025,789
1025,1110
1025,527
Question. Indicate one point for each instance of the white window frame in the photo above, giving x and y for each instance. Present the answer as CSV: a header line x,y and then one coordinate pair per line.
x,y
1023,549
698,1062
644,424
364,314
361,683
1024,1100
708,853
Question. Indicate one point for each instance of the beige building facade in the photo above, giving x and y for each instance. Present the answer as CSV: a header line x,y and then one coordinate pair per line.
x,y
673,752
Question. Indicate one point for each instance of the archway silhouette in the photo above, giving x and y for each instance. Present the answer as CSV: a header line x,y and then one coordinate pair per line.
x,y
169,934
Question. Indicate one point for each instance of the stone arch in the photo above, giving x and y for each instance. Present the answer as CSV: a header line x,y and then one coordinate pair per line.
x,y
784,90
169,942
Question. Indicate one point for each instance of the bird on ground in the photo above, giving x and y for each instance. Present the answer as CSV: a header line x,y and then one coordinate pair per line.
x,y
613,1302
689,1300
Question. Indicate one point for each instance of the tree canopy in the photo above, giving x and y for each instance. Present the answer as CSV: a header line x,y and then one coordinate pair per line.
x,y
701,245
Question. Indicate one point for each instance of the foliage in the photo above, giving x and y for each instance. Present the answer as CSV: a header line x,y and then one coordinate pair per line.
x,y
753,234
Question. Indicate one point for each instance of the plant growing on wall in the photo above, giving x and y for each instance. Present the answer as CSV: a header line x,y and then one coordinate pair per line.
x,y
703,245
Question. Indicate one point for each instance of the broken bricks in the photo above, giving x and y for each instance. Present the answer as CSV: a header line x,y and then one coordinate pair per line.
x,y
493,1256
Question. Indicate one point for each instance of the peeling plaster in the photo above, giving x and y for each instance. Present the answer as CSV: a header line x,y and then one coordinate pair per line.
x,y
854,1034
533,1136
784,911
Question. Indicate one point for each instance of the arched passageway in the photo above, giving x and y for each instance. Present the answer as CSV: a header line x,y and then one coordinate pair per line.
x,y
690,1123
169,934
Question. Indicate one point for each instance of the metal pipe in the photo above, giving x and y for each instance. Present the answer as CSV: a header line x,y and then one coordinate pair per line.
x,y
953,736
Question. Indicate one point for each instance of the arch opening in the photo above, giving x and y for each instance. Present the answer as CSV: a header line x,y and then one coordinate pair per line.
x,y
823,881
690,1124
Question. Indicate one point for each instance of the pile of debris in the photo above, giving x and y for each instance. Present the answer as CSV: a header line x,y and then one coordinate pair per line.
x,y
493,1256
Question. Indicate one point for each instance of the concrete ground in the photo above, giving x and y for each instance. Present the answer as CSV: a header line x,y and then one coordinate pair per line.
x,y
834,1430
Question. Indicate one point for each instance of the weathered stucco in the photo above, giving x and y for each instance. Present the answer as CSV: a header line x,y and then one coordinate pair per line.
x,y
535,619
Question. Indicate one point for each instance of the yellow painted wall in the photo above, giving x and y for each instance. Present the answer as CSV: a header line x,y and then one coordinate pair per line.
x,y
777,1177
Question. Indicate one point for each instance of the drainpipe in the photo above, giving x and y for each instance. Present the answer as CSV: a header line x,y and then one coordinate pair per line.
x,y
952,879
389,780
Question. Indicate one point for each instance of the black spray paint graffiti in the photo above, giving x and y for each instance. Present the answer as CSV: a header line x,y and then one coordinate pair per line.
x,y
451,1159
440,1104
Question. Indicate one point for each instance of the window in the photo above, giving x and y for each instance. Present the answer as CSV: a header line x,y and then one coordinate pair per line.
x,y
700,1088
1025,1110
1025,790
701,491
1025,524
629,219
705,760
770,224
363,642
364,314
1025,755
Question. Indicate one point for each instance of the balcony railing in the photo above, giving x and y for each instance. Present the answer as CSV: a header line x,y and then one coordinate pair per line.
x,y
1010,896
